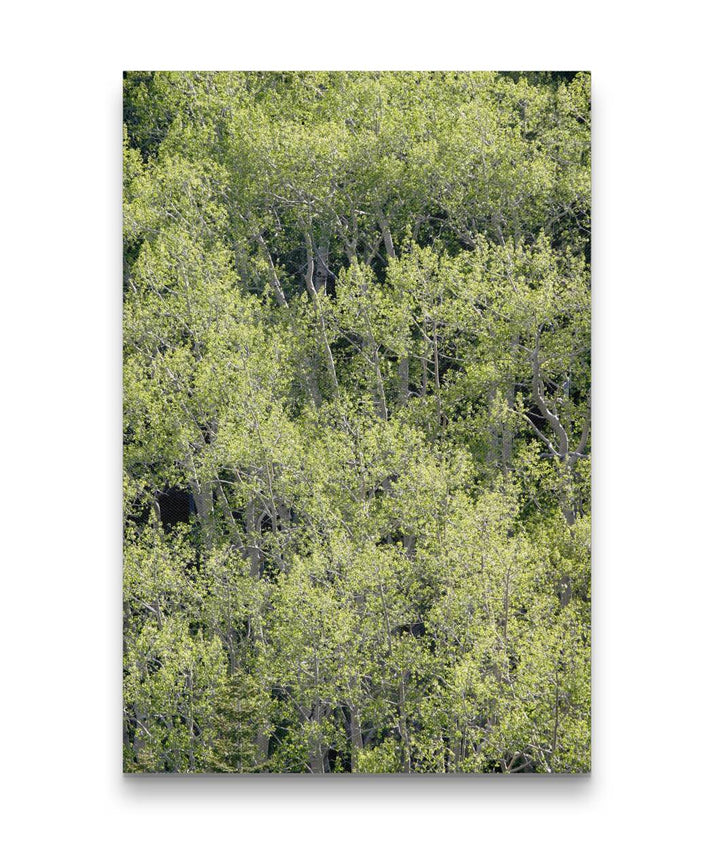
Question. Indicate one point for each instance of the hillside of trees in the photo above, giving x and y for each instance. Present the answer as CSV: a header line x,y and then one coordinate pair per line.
x,y
357,422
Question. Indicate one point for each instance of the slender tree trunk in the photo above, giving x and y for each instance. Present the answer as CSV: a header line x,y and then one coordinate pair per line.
x,y
356,740
493,453
380,400
262,746
436,379
312,291
235,535
409,545
252,529
403,380
311,377
321,269
317,752
203,499
507,432
404,359
404,732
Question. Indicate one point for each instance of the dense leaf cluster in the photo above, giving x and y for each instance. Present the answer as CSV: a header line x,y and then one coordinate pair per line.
x,y
357,392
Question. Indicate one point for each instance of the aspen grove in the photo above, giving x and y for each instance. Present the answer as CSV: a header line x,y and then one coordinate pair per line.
x,y
356,422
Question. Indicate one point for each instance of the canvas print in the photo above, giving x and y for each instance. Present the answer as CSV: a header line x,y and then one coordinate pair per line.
x,y
356,422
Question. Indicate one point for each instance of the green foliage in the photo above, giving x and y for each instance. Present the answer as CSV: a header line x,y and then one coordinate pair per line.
x,y
357,393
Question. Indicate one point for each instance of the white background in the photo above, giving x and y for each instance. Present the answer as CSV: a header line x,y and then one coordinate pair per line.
x,y
655,275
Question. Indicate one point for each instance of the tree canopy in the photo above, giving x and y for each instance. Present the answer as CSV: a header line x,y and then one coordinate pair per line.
x,y
357,422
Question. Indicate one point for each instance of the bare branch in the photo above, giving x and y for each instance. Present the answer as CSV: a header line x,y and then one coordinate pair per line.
x,y
310,285
310,271
279,293
387,237
537,431
539,398
582,443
